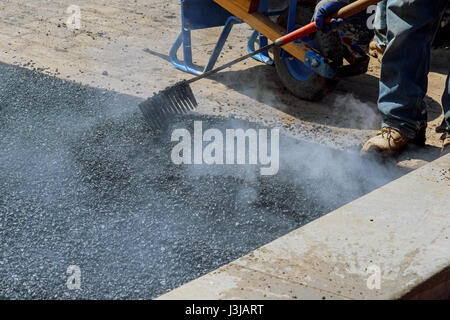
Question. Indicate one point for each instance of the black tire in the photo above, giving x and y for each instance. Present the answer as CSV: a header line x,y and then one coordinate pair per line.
x,y
328,45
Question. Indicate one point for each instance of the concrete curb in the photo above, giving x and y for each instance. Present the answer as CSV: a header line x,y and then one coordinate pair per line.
x,y
391,243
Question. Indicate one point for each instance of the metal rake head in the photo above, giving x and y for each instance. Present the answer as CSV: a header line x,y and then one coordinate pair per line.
x,y
177,99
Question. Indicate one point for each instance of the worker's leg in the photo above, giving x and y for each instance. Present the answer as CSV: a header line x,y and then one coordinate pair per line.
x,y
445,126
446,105
379,25
411,26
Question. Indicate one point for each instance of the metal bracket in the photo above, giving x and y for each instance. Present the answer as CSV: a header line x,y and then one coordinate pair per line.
x,y
262,40
185,39
318,64
200,14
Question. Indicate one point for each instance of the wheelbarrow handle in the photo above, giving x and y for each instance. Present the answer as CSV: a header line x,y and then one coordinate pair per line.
x,y
343,13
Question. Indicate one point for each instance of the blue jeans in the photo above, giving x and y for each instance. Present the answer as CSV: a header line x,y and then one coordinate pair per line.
x,y
380,27
410,26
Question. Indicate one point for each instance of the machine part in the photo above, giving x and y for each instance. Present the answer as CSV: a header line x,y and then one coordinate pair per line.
x,y
317,63
358,60
299,77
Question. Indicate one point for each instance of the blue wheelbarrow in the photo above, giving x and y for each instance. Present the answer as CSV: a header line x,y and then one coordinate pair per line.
x,y
309,70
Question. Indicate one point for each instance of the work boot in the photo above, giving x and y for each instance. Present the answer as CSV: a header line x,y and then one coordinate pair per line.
x,y
375,51
445,138
387,142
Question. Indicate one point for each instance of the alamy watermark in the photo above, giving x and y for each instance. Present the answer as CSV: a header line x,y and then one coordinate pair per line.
x,y
74,20
74,280
374,280
372,10
227,149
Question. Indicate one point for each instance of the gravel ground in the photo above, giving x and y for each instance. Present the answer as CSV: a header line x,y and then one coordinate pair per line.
x,y
83,181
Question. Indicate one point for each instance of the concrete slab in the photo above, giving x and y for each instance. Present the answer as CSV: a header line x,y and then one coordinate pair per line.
x,y
237,282
391,243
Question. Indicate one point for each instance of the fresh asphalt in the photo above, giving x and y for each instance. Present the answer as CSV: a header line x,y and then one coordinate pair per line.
x,y
84,181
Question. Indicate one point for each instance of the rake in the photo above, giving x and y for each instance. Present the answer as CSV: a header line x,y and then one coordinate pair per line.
x,y
179,98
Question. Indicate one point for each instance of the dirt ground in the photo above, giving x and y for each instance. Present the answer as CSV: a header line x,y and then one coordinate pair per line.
x,y
123,46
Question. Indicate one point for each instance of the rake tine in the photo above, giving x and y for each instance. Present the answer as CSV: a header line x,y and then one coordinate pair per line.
x,y
160,110
176,100
185,96
191,97
175,105
153,114
145,108
179,96
165,105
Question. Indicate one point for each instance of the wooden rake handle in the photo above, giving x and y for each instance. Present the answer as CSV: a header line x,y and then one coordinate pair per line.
x,y
343,13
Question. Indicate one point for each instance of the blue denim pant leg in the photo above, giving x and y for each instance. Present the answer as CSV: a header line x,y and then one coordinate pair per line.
x,y
445,127
411,26
379,25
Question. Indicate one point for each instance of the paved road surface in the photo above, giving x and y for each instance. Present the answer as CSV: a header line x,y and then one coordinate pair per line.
x,y
83,181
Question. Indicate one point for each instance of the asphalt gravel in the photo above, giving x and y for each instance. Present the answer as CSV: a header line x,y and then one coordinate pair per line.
x,y
84,181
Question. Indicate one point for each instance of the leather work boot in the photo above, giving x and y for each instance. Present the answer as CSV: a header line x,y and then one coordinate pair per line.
x,y
387,142
375,51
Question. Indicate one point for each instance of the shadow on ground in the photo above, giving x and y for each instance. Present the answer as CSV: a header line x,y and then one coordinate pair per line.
x,y
345,107
84,181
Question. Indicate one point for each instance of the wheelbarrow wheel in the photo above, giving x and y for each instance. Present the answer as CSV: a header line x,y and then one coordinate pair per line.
x,y
297,77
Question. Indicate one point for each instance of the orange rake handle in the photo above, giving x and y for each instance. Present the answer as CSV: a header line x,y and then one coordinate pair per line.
x,y
343,13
